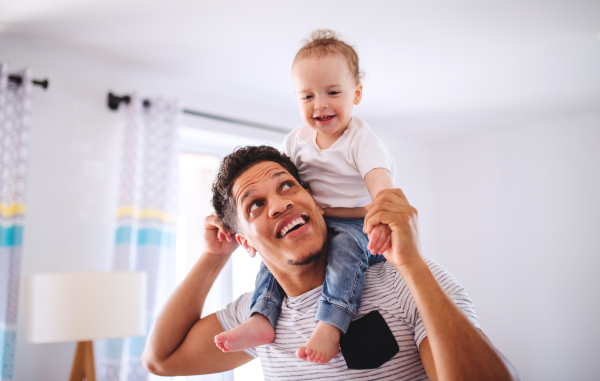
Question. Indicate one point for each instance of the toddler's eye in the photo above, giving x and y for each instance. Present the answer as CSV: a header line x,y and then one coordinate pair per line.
x,y
307,97
334,92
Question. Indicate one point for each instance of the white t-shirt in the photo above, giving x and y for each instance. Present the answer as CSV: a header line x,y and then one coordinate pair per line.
x,y
384,291
336,175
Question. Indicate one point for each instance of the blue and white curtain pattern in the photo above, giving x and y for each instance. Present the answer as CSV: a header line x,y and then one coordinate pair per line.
x,y
15,106
146,216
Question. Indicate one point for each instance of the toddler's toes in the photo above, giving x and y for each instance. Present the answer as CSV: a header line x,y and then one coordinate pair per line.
x,y
301,353
317,358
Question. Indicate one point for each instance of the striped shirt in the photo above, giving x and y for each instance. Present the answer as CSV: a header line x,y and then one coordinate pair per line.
x,y
384,291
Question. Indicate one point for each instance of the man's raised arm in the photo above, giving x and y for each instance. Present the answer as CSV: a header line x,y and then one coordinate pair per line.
x,y
179,342
453,349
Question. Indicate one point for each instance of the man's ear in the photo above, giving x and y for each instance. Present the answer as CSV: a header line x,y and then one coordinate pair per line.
x,y
358,93
244,243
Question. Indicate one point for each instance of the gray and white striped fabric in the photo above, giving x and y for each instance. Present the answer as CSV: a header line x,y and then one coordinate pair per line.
x,y
15,110
146,215
384,291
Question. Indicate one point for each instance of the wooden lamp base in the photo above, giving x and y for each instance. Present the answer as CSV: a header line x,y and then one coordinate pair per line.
x,y
83,363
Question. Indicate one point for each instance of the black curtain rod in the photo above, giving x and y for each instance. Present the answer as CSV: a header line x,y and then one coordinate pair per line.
x,y
43,83
114,102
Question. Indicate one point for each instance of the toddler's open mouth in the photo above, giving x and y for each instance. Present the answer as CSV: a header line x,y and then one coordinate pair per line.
x,y
324,118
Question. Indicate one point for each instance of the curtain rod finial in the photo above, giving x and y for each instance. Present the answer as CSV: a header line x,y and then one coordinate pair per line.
x,y
114,101
43,83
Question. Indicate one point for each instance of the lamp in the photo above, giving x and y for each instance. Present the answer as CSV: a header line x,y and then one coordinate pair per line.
x,y
82,307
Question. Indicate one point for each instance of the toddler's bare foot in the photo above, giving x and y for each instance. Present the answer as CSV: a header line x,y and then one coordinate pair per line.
x,y
322,346
253,333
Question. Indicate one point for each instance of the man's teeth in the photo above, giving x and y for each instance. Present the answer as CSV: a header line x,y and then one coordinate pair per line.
x,y
291,225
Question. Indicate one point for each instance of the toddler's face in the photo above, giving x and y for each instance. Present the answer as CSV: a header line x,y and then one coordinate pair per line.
x,y
326,93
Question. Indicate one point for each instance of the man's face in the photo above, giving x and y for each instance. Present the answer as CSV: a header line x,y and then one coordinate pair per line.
x,y
277,217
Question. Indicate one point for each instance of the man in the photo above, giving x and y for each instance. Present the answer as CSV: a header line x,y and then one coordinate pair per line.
x,y
413,326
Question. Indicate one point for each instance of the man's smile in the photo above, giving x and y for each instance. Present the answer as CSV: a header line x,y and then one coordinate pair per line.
x,y
293,225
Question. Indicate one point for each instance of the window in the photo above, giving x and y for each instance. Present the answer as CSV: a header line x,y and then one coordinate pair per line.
x,y
198,165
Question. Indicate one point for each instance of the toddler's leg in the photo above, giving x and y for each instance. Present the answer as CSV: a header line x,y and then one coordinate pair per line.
x,y
347,261
264,311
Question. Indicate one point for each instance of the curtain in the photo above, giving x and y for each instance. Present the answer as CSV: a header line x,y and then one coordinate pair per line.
x,y
145,233
15,105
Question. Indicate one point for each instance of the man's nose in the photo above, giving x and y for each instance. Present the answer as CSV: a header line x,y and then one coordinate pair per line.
x,y
279,205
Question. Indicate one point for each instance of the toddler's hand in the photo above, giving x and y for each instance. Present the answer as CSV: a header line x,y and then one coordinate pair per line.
x,y
380,239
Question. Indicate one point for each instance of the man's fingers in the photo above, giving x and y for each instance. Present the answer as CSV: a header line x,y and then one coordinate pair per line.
x,y
211,222
390,200
387,197
400,194
386,217
374,216
377,206
223,235
386,193
396,192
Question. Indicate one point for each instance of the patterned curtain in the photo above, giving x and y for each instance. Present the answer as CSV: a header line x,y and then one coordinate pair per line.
x,y
15,105
145,236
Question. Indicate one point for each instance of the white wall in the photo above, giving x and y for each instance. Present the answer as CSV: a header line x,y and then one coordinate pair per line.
x,y
518,223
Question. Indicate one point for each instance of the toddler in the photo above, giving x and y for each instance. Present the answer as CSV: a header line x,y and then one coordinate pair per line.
x,y
345,165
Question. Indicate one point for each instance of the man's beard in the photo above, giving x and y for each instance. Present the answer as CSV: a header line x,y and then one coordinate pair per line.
x,y
311,258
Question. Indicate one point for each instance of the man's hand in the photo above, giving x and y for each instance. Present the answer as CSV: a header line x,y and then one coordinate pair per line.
x,y
454,348
391,208
219,241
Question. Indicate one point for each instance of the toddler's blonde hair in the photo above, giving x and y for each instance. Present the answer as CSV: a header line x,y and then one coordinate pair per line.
x,y
325,42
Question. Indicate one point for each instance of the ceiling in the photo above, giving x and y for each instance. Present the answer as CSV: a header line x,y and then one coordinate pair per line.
x,y
433,68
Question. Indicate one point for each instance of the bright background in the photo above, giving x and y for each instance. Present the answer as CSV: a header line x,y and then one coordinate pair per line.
x,y
491,110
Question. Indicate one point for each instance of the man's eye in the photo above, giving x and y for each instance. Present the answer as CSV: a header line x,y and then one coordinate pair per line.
x,y
287,186
255,205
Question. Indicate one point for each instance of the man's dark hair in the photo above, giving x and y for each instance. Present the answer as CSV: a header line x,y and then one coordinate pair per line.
x,y
232,167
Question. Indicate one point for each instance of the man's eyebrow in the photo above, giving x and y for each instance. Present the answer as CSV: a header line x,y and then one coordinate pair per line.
x,y
249,192
246,194
274,175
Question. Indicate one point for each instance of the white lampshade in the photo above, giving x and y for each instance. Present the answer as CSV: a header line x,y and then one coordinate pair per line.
x,y
85,306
